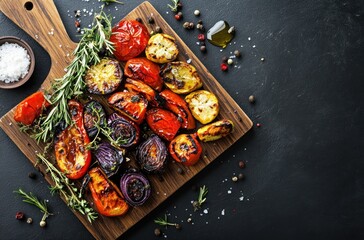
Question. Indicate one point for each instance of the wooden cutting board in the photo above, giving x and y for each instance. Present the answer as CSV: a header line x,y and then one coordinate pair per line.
x,y
40,19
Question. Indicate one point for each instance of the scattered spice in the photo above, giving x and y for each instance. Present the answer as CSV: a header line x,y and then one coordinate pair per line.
x,y
77,24
224,59
77,13
234,179
237,53
224,67
42,223
196,12
138,19
178,17
241,164
201,37
157,232
230,61
189,220
203,48
19,215
150,20
201,198
158,29
200,27
262,59
180,170
32,175
251,99
29,220
259,125
241,176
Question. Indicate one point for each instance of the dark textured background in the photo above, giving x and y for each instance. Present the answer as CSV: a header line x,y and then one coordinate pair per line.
x,y
305,164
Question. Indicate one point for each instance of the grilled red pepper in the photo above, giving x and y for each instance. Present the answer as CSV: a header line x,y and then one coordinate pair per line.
x,y
30,108
108,199
186,149
129,104
144,70
70,145
163,123
140,87
177,105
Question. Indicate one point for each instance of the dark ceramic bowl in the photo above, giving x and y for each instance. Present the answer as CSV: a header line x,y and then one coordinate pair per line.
x,y
20,42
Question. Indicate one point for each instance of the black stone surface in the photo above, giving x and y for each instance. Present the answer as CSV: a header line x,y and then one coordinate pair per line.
x,y
304,165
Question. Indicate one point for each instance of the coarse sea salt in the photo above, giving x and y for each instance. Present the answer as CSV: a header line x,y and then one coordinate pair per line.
x,y
14,62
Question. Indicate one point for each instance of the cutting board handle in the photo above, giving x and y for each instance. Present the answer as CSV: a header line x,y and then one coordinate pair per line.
x,y
41,20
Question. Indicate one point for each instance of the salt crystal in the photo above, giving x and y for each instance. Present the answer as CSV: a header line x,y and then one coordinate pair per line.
x,y
241,198
189,60
205,211
223,212
229,191
249,39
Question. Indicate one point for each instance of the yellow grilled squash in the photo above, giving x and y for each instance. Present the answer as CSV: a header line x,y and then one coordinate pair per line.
x,y
161,48
204,105
215,131
181,77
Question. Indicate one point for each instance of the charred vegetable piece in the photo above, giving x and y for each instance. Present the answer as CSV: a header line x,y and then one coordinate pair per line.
x,y
181,77
186,149
71,153
161,48
152,154
94,114
30,108
135,188
104,77
163,123
215,131
124,129
129,104
178,106
109,158
144,70
108,199
203,105
130,38
140,87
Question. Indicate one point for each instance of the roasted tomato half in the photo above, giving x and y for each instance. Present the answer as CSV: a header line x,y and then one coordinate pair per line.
x,y
177,105
163,123
129,104
186,149
107,197
144,70
71,153
140,87
130,38
30,108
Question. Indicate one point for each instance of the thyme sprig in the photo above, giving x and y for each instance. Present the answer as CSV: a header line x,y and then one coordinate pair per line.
x,y
68,190
71,85
107,2
174,8
164,222
201,198
33,200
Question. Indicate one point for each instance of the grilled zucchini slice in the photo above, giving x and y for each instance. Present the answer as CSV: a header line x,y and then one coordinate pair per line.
x,y
104,77
161,48
215,131
204,105
181,77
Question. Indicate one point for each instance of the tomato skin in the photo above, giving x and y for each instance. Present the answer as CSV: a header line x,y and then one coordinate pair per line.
x,y
130,38
108,199
129,104
30,108
140,87
70,145
144,70
163,123
177,105
186,149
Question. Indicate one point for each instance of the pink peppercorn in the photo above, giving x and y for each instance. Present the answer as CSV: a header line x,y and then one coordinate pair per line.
x,y
224,67
201,37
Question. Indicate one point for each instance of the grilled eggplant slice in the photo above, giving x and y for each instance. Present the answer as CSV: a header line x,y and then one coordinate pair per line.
x,y
216,130
204,105
104,77
161,48
181,77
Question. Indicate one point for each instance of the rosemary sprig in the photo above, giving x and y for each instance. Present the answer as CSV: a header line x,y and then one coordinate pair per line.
x,y
111,1
201,198
164,222
174,8
67,189
33,200
71,85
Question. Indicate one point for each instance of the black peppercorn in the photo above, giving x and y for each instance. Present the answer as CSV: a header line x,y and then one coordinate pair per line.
x,y
139,19
203,48
237,53
158,29
157,232
150,20
178,226
241,176
32,175
241,164
180,171
224,59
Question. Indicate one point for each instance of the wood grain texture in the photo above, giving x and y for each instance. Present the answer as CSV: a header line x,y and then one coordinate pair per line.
x,y
37,22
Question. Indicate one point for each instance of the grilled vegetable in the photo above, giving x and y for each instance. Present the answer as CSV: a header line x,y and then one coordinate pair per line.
x,y
144,70
30,108
129,104
161,48
104,77
93,114
129,38
178,106
186,149
203,105
109,158
108,199
181,77
135,188
152,154
139,87
215,131
71,153
124,129
163,123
